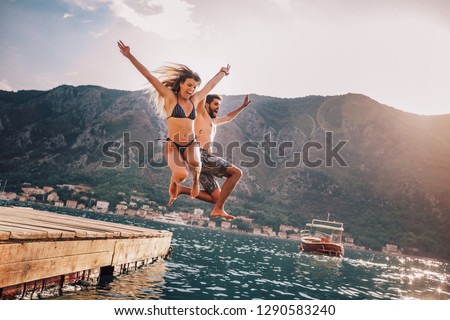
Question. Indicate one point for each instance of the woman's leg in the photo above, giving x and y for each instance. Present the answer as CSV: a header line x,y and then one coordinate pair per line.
x,y
192,156
177,166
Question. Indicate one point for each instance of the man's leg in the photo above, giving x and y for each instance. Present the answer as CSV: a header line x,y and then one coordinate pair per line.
x,y
234,175
203,195
210,192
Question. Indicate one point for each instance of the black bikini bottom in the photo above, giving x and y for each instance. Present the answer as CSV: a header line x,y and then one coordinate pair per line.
x,y
180,147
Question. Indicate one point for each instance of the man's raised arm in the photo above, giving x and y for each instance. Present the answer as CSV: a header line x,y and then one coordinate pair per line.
x,y
231,115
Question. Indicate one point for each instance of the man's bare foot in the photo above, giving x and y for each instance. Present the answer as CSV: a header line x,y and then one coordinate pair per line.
x,y
173,192
217,213
195,190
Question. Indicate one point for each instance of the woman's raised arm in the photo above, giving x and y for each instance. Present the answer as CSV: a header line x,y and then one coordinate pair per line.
x,y
165,92
201,94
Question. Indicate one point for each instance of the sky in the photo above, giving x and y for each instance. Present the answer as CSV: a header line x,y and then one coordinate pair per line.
x,y
394,51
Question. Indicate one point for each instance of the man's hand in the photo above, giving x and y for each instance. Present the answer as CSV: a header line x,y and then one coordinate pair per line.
x,y
246,102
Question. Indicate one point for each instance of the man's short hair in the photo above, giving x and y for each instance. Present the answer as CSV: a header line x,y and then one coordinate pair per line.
x,y
211,97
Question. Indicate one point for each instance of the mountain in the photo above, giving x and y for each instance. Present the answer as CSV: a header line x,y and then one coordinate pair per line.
x,y
381,171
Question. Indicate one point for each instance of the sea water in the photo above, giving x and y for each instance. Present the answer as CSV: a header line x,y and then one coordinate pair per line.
x,y
214,264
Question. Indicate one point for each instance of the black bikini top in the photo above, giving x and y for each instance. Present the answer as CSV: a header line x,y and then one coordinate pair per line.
x,y
178,112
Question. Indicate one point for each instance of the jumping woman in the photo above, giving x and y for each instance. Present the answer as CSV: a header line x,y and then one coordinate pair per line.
x,y
175,98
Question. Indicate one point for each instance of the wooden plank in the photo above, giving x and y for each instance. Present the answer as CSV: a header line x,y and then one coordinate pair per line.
x,y
81,226
28,251
97,223
80,223
130,250
23,233
48,216
69,233
22,262
79,229
22,272
51,232
4,235
89,225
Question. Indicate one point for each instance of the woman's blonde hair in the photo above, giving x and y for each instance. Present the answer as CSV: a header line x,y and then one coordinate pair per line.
x,y
171,76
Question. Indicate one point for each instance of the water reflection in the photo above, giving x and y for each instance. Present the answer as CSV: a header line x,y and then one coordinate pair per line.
x,y
146,283
319,264
317,276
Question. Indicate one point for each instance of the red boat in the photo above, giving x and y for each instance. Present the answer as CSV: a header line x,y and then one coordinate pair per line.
x,y
323,237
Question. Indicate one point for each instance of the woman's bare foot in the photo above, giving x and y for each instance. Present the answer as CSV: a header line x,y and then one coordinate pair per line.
x,y
217,213
195,189
173,192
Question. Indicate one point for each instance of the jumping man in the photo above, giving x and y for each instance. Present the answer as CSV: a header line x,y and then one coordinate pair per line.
x,y
205,127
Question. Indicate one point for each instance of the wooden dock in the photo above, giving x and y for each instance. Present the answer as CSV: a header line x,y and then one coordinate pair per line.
x,y
40,250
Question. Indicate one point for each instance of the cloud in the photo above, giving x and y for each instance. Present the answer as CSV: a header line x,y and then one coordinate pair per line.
x,y
170,19
67,15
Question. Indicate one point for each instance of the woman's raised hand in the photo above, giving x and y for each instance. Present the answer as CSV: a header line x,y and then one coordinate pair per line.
x,y
125,50
226,69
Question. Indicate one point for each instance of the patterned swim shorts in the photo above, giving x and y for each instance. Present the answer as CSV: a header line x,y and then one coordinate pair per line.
x,y
212,166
